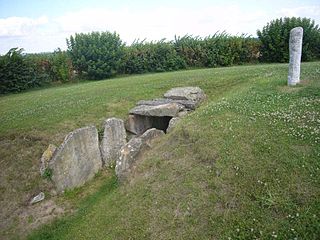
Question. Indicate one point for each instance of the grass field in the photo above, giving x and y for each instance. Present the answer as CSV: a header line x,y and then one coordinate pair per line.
x,y
244,165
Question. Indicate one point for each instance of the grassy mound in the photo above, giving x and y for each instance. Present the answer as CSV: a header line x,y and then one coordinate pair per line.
x,y
244,165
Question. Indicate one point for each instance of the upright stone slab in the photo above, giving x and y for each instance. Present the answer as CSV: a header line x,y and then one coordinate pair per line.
x,y
295,50
77,160
114,138
131,151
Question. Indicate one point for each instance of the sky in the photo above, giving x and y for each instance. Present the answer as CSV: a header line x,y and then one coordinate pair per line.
x,y
43,25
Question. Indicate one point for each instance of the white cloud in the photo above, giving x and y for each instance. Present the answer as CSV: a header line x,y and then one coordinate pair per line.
x,y
43,34
312,12
164,22
20,26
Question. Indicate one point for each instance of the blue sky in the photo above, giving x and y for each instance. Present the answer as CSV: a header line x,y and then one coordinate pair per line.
x,y
40,26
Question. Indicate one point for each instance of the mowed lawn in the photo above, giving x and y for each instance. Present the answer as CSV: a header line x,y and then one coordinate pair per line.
x,y
244,165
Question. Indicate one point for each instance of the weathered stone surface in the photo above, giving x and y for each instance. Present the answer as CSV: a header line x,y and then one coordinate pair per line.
x,y
150,135
295,50
45,158
37,198
183,113
173,123
137,124
77,160
128,155
131,151
114,138
168,109
186,93
188,104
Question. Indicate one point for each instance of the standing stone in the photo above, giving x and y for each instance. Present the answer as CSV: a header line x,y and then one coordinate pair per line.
x,y
45,158
114,137
295,50
77,160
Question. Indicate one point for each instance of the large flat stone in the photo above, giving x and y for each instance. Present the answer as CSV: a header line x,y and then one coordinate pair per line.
x,y
168,109
184,104
114,138
186,93
77,160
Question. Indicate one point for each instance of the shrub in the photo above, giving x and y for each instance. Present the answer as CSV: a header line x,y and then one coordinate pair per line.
x,y
221,49
97,55
17,73
57,66
191,50
157,56
275,35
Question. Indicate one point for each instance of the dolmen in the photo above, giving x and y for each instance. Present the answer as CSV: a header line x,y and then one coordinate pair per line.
x,y
157,113
82,154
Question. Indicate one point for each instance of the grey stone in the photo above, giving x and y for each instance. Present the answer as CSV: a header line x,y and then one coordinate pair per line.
x,y
137,124
45,158
186,93
187,104
168,109
295,50
37,198
133,149
183,113
114,138
128,155
173,123
77,160
150,135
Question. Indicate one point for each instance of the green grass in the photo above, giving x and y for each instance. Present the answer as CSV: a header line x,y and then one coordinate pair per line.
x,y
244,165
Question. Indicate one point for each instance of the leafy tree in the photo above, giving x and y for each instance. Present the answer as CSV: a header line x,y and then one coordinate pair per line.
x,y
97,54
275,35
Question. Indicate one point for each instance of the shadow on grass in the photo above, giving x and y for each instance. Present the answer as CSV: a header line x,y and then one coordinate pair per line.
x,y
59,228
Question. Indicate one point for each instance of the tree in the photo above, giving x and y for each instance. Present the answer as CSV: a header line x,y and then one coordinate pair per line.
x,y
97,54
275,35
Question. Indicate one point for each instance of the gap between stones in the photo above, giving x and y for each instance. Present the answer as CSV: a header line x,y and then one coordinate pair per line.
x,y
81,156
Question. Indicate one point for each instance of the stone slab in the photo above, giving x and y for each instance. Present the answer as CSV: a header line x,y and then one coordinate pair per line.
x,y
114,138
186,93
168,109
77,160
185,104
132,150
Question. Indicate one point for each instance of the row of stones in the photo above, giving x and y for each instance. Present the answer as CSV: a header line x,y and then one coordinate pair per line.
x,y
80,156
157,113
